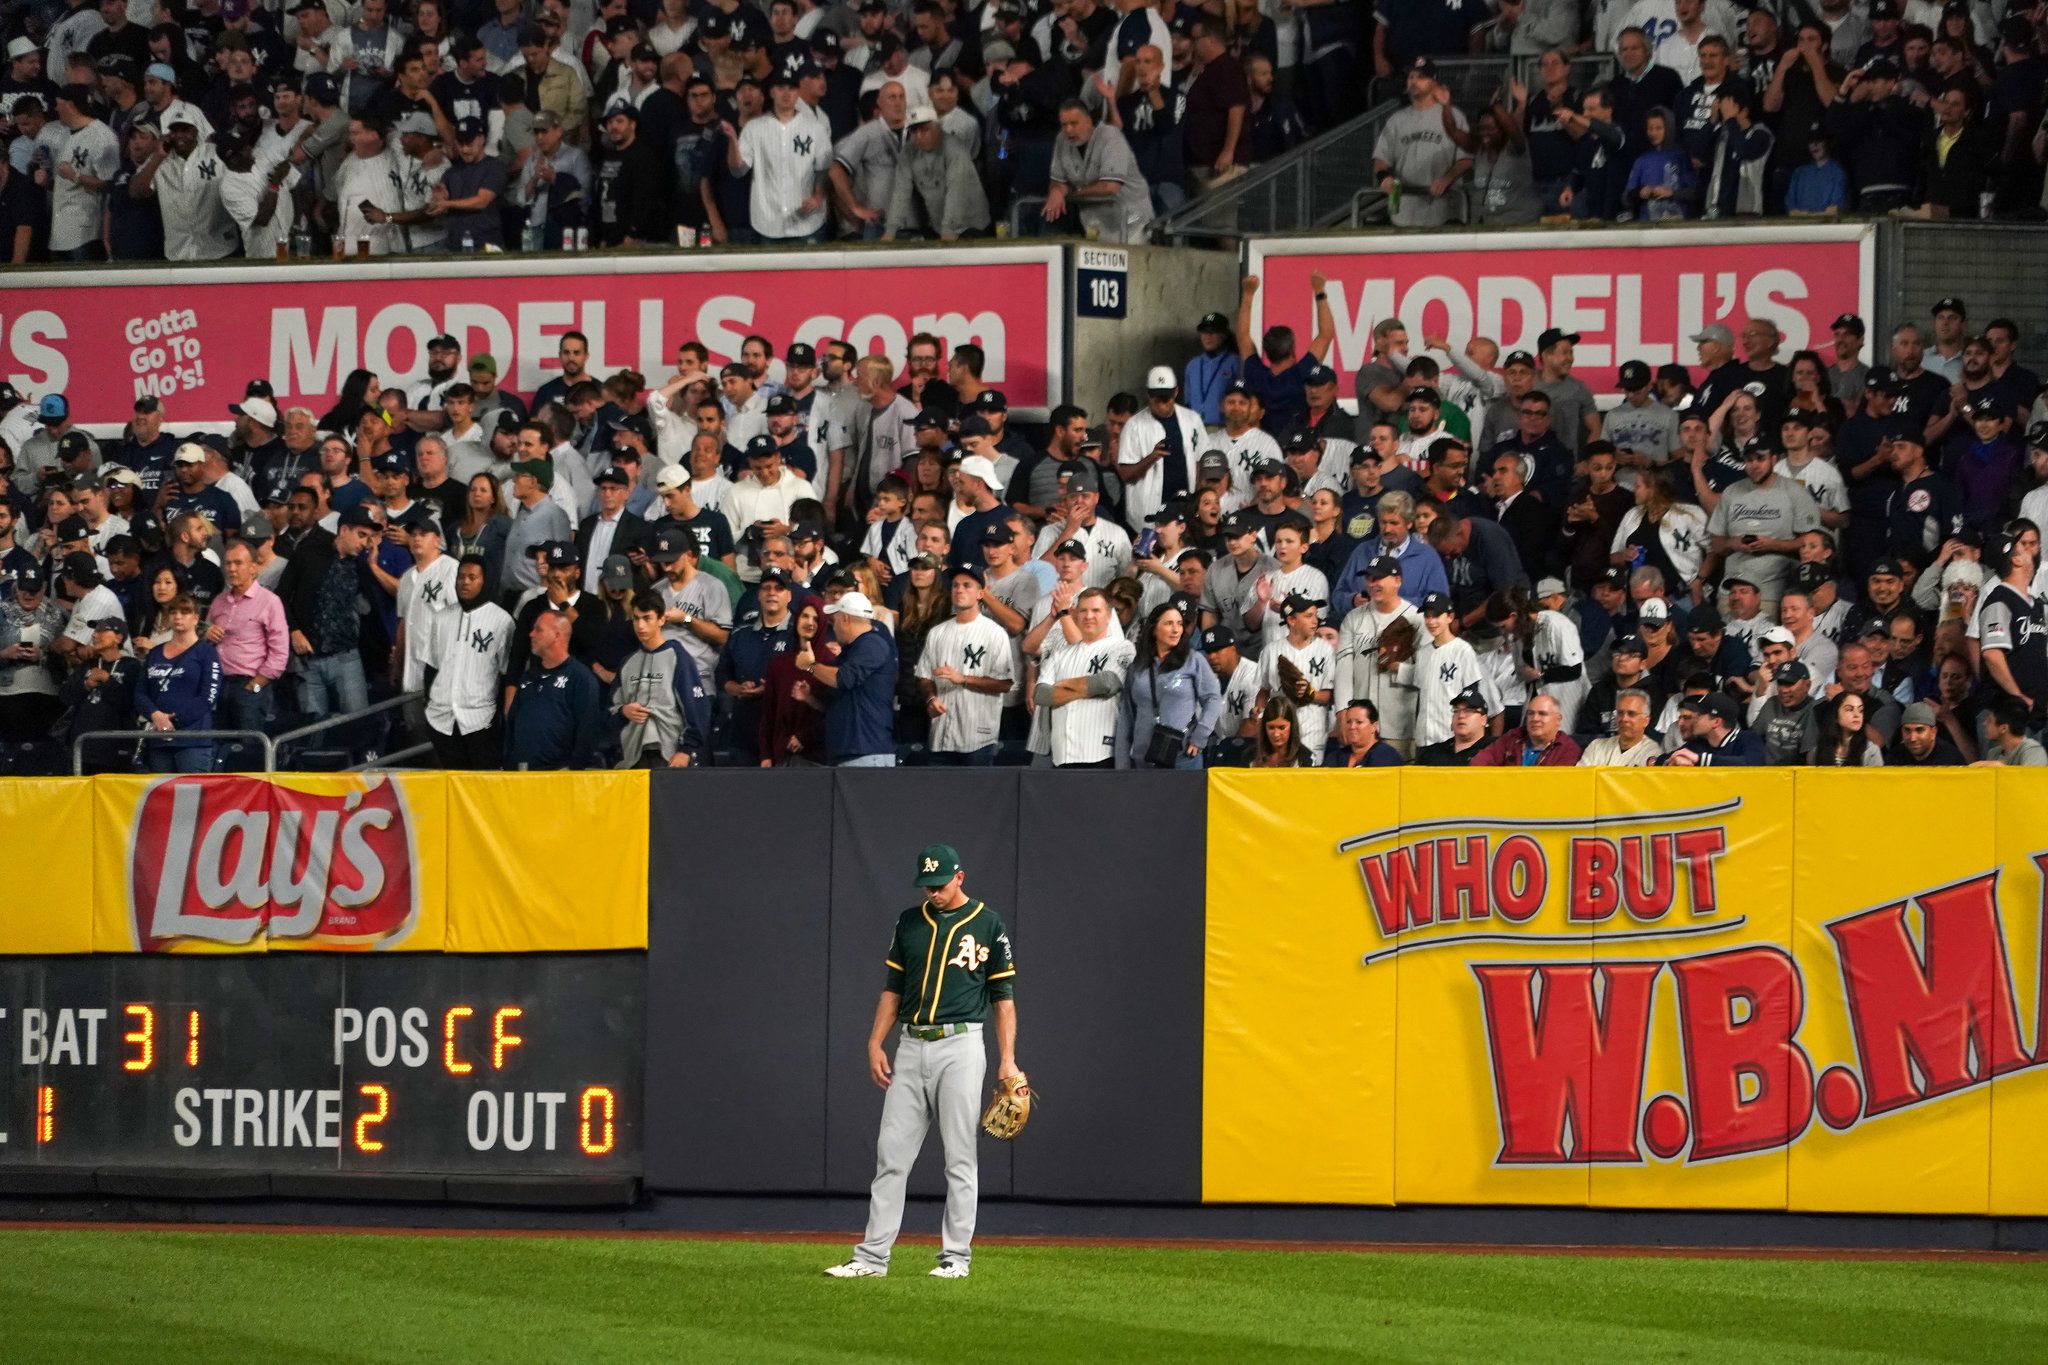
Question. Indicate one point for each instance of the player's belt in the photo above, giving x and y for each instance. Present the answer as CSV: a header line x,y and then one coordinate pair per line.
x,y
933,1032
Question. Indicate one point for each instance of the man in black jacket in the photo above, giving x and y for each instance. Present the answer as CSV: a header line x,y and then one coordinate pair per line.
x,y
1956,156
611,530
1879,133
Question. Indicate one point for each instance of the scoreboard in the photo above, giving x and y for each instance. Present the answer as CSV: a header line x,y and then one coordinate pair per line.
x,y
525,1064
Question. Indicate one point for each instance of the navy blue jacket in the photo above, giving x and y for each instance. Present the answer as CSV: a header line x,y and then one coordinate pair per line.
x,y
860,719
557,718
185,688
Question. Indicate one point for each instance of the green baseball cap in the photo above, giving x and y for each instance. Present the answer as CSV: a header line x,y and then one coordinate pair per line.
x,y
937,864
543,471
484,361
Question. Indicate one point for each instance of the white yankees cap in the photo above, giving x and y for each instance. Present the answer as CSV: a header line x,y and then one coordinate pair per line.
x,y
854,604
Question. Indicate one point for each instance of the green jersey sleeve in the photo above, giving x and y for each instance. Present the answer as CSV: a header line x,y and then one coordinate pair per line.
x,y
894,962
1002,967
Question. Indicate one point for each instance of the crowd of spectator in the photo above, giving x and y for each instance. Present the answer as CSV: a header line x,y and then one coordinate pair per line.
x,y
1715,109
807,555
153,129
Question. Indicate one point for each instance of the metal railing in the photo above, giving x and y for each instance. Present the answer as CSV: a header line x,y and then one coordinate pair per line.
x,y
1328,180
268,743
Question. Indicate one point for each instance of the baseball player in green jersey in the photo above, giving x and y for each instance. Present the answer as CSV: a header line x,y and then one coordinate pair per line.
x,y
950,970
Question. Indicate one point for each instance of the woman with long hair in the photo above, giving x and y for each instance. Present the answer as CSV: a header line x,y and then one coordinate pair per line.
x,y
179,687
431,38
1662,532
1737,422
926,602
1843,741
863,570
1170,685
1329,544
149,620
1811,391
359,394
482,529
793,731
1279,739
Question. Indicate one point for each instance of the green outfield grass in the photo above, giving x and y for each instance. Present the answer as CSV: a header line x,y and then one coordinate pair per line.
x,y
176,1296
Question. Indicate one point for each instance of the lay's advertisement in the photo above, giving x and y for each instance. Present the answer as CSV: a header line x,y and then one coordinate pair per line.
x,y
410,862
1757,989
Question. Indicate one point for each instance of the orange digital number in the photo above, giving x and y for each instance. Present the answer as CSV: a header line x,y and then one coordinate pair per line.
x,y
597,1133
448,1022
503,1039
192,1038
370,1118
143,1036
46,1113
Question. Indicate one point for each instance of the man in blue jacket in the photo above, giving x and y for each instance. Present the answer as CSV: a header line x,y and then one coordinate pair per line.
x,y
860,726
1716,737
556,719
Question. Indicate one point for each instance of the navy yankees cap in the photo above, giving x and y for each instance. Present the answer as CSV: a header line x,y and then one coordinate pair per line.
x,y
1471,699
1385,566
1319,375
1299,441
967,571
782,405
927,419
1237,524
996,533
1218,637
1631,644
1436,604
562,553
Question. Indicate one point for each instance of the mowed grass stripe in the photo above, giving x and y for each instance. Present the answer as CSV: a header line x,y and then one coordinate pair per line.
x,y
199,1296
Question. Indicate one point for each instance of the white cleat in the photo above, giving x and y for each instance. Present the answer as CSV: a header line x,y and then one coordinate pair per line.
x,y
856,1270
949,1270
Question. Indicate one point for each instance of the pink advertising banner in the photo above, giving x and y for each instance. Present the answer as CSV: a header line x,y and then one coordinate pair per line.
x,y
1631,294
195,336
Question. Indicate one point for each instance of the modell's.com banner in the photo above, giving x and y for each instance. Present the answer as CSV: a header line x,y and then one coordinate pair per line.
x,y
1700,989
195,337
1630,294
411,862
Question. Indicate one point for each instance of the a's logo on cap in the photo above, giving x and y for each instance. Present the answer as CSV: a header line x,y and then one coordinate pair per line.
x,y
931,864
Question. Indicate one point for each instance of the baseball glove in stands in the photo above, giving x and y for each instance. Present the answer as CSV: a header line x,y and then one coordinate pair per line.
x,y
1009,1107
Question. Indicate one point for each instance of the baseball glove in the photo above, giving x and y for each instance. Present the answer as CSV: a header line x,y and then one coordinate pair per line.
x,y
1397,645
1009,1107
1293,685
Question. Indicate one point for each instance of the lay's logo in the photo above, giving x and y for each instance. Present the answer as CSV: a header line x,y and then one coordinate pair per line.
x,y
233,860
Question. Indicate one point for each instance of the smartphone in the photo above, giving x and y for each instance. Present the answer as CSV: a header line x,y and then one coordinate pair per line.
x,y
1148,541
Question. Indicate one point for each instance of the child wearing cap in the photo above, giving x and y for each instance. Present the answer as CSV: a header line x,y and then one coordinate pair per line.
x,y
1301,666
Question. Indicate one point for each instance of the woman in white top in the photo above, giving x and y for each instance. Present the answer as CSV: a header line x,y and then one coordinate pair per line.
x,y
1662,532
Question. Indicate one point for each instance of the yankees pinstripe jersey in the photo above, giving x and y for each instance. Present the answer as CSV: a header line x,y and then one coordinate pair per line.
x,y
980,649
427,605
1360,675
1247,451
464,698
1305,579
1446,670
947,965
1240,698
1318,663
1084,731
1109,549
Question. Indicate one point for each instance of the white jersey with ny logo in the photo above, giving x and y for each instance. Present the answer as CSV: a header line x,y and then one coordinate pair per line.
x,y
464,697
427,606
980,649
787,161
1443,671
1317,661
1084,731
